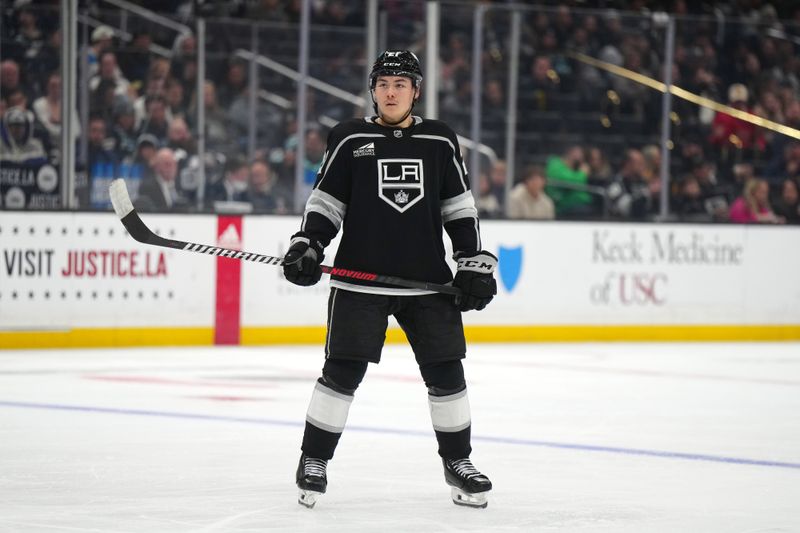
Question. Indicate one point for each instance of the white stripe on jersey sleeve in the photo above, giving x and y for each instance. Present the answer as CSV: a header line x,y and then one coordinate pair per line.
x,y
461,206
326,205
461,171
327,164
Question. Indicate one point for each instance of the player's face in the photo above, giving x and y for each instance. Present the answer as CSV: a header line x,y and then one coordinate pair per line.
x,y
394,95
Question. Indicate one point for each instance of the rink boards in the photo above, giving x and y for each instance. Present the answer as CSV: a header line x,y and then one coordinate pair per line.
x,y
80,280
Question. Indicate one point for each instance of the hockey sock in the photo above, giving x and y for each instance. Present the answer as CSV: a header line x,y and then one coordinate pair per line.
x,y
449,406
329,406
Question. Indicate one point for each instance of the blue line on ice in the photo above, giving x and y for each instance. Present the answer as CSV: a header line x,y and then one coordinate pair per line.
x,y
412,433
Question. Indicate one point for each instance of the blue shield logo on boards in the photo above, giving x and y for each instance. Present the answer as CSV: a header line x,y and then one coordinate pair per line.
x,y
510,264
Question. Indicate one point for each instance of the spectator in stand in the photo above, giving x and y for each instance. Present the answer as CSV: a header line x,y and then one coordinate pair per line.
x,y
156,122
46,60
265,193
154,87
776,168
233,186
315,150
110,72
716,196
102,41
786,159
652,162
30,39
497,183
730,133
487,203
180,138
17,98
159,68
589,81
158,192
456,103
134,59
633,95
742,172
181,142
528,200
562,71
543,85
10,80
688,201
600,172
184,62
234,84
455,59
28,33
17,141
141,161
494,114
630,194
788,166
787,205
48,110
563,24
217,134
102,164
123,131
753,205
102,101
175,97
572,170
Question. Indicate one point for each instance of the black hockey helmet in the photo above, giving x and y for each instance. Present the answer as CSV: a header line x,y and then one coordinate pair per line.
x,y
396,63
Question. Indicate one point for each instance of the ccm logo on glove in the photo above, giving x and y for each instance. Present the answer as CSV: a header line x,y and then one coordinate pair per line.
x,y
486,264
474,278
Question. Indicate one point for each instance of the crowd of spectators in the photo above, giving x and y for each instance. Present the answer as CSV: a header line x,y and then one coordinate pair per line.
x,y
587,140
597,134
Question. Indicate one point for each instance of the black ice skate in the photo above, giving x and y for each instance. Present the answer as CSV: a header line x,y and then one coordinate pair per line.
x,y
312,480
469,487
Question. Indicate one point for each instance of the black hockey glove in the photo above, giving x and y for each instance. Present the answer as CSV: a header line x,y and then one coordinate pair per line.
x,y
474,278
301,262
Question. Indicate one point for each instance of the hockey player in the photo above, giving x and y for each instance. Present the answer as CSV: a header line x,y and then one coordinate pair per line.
x,y
391,183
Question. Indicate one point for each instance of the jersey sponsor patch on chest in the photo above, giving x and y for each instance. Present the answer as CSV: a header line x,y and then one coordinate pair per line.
x,y
367,149
401,182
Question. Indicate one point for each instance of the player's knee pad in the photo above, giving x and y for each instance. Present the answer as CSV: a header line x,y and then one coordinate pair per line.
x,y
343,375
443,378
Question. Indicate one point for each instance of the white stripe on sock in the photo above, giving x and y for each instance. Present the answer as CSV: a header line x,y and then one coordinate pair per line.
x,y
328,409
450,413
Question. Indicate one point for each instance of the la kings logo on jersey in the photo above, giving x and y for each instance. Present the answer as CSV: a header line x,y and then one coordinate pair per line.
x,y
367,149
400,182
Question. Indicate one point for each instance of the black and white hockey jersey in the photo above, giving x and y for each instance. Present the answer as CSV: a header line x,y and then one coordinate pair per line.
x,y
391,191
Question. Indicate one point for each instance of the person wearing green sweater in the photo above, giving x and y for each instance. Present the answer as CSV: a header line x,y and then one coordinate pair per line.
x,y
572,168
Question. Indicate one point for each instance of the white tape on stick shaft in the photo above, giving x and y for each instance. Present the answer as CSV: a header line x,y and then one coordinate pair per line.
x,y
119,197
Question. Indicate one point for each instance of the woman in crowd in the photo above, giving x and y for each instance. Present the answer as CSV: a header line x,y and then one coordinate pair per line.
x,y
753,205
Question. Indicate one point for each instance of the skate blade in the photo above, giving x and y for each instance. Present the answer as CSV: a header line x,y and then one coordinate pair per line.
x,y
477,499
308,498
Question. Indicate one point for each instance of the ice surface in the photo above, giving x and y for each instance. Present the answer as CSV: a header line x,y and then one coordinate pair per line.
x,y
592,437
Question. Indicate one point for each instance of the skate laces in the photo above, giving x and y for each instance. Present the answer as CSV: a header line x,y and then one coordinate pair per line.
x,y
314,467
464,468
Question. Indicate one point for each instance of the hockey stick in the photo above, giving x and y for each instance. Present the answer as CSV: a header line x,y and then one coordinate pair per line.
x,y
140,232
